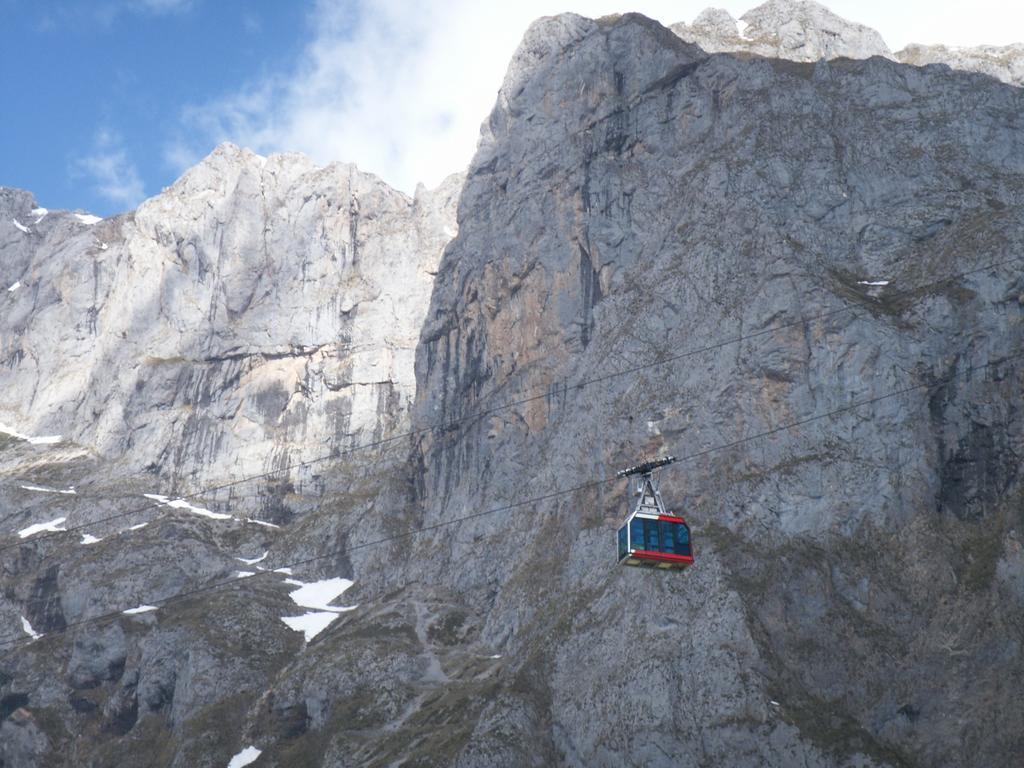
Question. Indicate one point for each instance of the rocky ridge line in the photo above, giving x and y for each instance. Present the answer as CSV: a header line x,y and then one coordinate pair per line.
x,y
803,30
257,312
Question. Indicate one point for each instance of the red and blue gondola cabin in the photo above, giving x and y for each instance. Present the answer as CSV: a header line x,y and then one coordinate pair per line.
x,y
651,536
655,541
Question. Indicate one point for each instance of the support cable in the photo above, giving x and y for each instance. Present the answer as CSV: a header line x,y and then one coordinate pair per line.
x,y
452,423
10,642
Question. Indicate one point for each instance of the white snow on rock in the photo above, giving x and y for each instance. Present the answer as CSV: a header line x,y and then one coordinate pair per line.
x,y
137,527
261,522
28,629
52,526
254,560
39,213
21,226
139,609
41,440
14,287
88,538
741,27
244,574
310,624
70,490
285,570
317,595
245,757
872,282
182,504
103,246
88,218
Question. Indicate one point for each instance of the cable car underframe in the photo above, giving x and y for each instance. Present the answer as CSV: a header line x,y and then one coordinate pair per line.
x,y
652,537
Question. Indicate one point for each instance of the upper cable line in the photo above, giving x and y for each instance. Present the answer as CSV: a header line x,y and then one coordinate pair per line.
x,y
538,394
334,553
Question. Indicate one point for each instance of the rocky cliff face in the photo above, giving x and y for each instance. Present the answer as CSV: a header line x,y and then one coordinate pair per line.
x,y
676,201
851,466
259,312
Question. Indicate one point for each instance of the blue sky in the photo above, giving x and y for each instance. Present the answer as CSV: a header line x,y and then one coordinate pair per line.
x,y
95,89
105,102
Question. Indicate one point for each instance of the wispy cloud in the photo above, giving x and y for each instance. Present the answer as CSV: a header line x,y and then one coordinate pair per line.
x,y
160,6
110,171
399,87
105,14
251,22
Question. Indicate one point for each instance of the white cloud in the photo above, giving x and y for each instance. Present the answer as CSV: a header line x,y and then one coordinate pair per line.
x,y
400,87
110,170
396,86
180,154
953,22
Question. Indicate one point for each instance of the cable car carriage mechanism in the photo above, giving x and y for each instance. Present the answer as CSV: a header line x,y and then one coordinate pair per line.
x,y
651,536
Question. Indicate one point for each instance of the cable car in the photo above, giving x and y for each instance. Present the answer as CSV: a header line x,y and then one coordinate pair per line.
x,y
652,537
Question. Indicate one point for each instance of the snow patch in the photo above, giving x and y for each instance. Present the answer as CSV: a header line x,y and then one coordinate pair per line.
x,y
310,624
245,757
286,571
88,538
53,526
28,629
449,232
14,287
182,504
317,595
22,227
88,218
39,213
244,574
137,527
872,282
41,440
43,489
254,560
139,609
741,28
261,522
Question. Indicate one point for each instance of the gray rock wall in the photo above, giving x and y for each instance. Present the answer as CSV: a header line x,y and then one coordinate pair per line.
x,y
635,198
261,311
857,598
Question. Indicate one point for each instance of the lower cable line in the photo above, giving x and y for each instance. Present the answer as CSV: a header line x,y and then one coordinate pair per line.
x,y
11,642
539,394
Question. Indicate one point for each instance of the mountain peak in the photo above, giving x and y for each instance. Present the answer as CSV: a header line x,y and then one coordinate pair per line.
x,y
786,29
803,30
